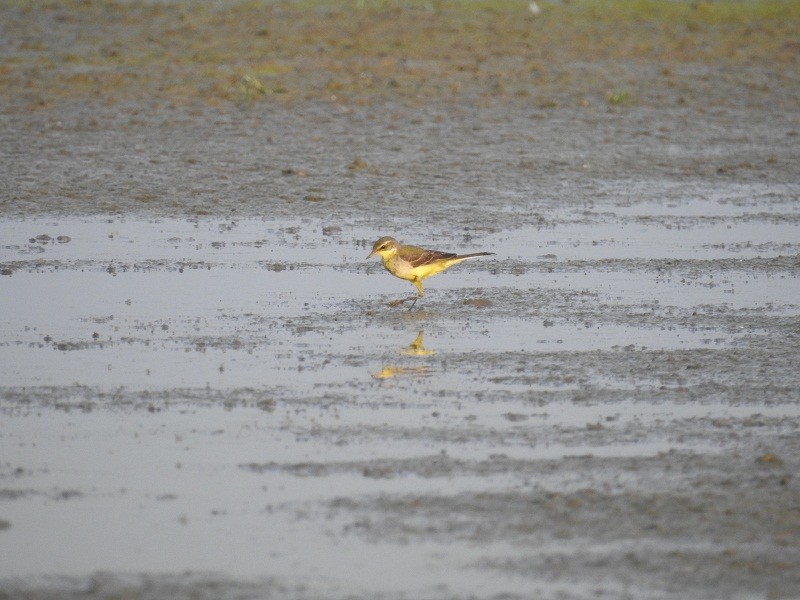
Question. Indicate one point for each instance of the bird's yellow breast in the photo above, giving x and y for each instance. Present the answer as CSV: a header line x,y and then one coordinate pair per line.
x,y
404,270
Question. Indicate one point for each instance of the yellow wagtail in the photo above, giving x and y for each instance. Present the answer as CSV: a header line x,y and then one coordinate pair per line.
x,y
415,264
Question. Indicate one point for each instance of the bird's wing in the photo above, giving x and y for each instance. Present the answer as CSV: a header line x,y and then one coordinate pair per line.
x,y
418,257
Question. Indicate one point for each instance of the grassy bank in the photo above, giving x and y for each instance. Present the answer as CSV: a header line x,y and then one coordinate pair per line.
x,y
360,50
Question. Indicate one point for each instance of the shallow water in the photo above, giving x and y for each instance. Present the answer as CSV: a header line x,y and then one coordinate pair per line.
x,y
167,382
172,303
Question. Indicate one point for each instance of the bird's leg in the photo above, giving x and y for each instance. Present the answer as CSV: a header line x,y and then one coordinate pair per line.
x,y
413,299
418,284
402,301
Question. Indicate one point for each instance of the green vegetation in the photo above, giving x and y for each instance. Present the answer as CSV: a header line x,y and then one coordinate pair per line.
x,y
369,49
619,97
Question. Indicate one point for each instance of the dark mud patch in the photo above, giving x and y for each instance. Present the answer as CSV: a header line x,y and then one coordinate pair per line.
x,y
185,586
614,518
84,398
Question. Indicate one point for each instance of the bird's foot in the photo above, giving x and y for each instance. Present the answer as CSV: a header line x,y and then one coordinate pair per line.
x,y
412,299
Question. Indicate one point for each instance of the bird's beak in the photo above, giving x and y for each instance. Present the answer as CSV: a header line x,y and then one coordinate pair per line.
x,y
371,254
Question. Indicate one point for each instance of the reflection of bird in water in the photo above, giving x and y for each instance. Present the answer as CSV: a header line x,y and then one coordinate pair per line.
x,y
388,372
415,348
415,264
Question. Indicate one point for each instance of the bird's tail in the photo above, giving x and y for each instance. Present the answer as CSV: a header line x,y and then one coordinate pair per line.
x,y
473,255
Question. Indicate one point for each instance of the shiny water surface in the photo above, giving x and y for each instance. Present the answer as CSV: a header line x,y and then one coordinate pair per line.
x,y
168,382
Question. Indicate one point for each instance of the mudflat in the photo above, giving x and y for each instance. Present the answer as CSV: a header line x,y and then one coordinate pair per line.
x,y
203,392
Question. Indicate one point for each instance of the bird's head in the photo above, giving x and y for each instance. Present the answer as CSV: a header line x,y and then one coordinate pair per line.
x,y
384,247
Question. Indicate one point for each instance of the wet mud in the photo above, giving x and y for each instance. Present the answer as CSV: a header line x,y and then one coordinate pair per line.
x,y
204,392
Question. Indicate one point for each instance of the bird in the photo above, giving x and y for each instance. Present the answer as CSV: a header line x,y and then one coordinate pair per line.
x,y
415,264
